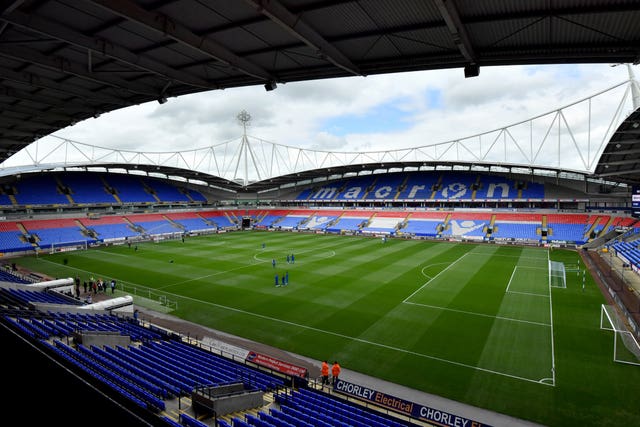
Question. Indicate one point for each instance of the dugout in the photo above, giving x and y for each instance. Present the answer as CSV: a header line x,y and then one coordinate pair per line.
x,y
122,305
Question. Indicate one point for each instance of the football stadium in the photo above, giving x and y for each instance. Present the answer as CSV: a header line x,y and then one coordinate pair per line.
x,y
490,280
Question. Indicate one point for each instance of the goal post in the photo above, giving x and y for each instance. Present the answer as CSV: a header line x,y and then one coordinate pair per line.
x,y
557,275
67,246
625,347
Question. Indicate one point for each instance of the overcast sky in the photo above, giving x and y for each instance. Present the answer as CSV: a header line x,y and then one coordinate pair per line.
x,y
379,112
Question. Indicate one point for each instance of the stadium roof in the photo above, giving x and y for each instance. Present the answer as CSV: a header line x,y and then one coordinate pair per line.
x,y
620,160
63,61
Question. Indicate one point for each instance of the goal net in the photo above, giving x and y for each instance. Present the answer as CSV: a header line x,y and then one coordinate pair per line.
x,y
625,346
67,246
557,275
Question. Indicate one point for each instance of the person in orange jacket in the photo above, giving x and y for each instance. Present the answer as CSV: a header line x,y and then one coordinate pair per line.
x,y
324,372
335,372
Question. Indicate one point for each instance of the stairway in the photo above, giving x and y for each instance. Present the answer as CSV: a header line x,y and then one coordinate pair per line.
x,y
110,190
63,189
445,224
544,227
85,231
476,186
173,223
150,191
491,226
401,187
207,221
134,227
437,185
370,188
231,217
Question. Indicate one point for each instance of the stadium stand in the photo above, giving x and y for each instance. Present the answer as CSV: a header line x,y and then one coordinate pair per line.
x,y
291,220
47,233
383,223
38,189
108,228
93,189
467,225
50,234
128,190
189,221
153,224
222,219
386,187
87,188
320,220
566,227
628,252
164,192
417,186
519,227
423,224
349,221
13,238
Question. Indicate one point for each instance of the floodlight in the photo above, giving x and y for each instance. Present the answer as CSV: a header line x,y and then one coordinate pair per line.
x,y
471,70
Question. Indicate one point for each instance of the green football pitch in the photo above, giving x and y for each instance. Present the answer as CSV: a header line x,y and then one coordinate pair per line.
x,y
480,324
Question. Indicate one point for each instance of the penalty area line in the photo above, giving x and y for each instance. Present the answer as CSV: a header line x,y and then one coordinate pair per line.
x,y
471,313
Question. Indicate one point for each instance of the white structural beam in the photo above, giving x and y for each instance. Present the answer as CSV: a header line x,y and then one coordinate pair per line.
x,y
568,136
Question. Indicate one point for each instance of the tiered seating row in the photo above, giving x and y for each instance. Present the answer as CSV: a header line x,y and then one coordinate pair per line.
x,y
153,368
44,234
628,251
64,353
320,409
68,188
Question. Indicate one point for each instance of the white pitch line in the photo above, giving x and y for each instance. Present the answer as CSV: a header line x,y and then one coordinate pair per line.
x,y
330,253
507,291
473,313
206,276
388,347
429,281
553,357
505,256
527,293
430,265
511,278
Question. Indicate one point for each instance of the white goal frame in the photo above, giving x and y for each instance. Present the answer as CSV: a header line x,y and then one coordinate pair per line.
x,y
66,246
557,270
621,336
